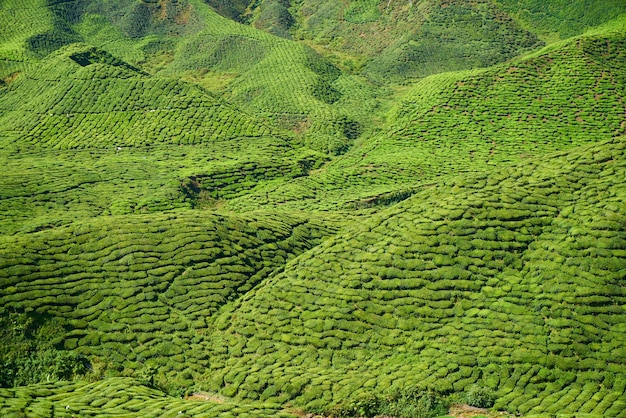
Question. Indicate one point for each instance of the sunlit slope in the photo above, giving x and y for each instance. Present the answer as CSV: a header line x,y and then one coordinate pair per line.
x,y
512,280
29,30
281,80
159,222
118,397
41,190
86,134
391,41
448,36
20,22
140,291
397,40
565,95
83,97
562,18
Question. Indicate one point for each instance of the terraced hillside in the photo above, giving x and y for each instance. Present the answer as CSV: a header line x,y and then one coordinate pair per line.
x,y
140,291
45,189
24,27
512,280
396,39
82,97
119,397
85,134
562,19
283,81
565,95
200,218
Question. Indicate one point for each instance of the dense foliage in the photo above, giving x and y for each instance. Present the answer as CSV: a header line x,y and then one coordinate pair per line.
x,y
275,208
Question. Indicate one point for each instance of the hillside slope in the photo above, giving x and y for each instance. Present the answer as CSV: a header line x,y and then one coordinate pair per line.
x,y
562,19
565,95
139,291
283,81
398,39
512,280
82,97
86,134
200,218
120,396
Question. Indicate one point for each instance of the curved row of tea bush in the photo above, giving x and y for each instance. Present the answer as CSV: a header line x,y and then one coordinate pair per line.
x,y
82,97
47,188
120,397
565,95
512,280
140,291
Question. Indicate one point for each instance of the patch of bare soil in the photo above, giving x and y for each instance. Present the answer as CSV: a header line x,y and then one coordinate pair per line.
x,y
466,411
206,397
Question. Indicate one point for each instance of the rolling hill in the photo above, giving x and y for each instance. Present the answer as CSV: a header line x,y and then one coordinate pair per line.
x,y
513,280
285,82
81,89
453,123
399,39
277,208
109,283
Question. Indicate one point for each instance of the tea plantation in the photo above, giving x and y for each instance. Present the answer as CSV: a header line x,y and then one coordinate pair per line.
x,y
119,397
564,95
512,280
400,39
312,208
134,292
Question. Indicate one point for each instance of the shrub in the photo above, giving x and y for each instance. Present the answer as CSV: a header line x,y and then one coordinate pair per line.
x,y
480,396
411,403
48,365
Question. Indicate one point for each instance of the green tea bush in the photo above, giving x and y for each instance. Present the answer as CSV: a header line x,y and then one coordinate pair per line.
x,y
42,366
480,396
409,403
440,281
